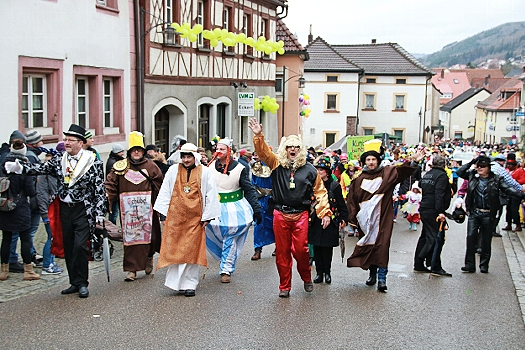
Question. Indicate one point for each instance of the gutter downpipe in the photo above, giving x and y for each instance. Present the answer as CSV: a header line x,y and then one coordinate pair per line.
x,y
139,69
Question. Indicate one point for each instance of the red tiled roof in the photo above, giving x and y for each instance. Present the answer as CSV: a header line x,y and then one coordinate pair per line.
x,y
495,102
494,83
454,83
480,73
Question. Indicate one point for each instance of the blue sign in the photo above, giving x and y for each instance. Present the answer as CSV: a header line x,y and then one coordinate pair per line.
x,y
520,114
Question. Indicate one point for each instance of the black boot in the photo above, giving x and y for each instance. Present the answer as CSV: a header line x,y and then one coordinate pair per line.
x,y
318,278
327,278
371,280
381,286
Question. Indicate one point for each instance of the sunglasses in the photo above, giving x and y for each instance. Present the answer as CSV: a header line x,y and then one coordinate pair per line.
x,y
482,166
296,147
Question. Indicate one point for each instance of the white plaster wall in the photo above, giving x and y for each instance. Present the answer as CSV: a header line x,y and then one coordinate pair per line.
x,y
72,31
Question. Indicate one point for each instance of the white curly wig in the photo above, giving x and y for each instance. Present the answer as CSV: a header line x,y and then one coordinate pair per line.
x,y
282,154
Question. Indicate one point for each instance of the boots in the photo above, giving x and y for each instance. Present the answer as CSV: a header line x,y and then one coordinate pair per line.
x,y
518,228
5,272
29,274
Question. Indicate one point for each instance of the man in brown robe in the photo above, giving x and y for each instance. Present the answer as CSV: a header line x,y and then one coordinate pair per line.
x,y
371,211
135,183
189,199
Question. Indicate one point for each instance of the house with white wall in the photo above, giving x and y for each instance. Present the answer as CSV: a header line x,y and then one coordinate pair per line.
x,y
384,89
66,62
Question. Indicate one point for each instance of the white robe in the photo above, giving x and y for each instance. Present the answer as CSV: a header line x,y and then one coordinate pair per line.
x,y
186,276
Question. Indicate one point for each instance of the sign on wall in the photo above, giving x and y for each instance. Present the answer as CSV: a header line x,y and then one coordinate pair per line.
x,y
355,145
245,106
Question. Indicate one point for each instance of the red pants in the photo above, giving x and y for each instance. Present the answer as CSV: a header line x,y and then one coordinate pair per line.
x,y
291,239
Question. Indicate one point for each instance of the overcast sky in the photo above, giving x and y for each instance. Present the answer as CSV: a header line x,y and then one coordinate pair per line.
x,y
419,26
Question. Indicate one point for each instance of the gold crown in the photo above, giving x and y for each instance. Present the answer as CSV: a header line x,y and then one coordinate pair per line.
x,y
373,145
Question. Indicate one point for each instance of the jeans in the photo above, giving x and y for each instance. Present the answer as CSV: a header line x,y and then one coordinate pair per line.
x,y
436,254
381,272
113,215
35,222
46,253
482,222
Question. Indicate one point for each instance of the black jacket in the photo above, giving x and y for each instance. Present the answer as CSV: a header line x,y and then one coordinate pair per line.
x,y
436,192
495,185
112,159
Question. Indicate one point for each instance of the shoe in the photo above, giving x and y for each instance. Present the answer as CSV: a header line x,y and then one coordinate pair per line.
x,y
52,270
130,276
257,255
70,290
327,278
16,267
318,278
274,253
517,229
5,272
29,273
381,286
467,269
441,273
414,227
483,269
395,220
371,281
83,292
507,228
225,278
284,294
421,269
308,287
37,260
189,293
149,265
495,234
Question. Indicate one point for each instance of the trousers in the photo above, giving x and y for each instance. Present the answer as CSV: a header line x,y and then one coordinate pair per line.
x,y
482,222
291,239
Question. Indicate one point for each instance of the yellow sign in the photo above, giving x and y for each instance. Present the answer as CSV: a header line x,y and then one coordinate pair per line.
x,y
355,145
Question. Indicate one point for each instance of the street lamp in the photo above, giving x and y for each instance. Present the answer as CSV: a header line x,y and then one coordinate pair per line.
x,y
169,39
301,82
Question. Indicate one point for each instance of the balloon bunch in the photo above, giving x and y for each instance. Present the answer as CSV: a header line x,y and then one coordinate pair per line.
x,y
304,101
228,38
268,104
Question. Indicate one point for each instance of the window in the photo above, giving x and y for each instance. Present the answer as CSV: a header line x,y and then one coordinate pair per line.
x,y
265,31
329,138
279,84
368,131
108,103
331,102
399,102
332,78
200,20
227,23
458,135
247,29
371,80
221,119
401,81
399,133
456,81
169,11
312,131
34,101
82,89
108,5
370,101
244,130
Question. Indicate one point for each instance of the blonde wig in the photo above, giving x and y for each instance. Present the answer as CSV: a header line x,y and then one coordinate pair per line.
x,y
282,154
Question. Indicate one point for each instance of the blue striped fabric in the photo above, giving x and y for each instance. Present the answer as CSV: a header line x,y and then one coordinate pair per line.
x,y
225,238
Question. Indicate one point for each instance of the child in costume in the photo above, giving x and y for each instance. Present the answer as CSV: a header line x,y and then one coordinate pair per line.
x,y
411,207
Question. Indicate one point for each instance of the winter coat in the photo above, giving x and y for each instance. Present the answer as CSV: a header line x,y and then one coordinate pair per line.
x,y
46,188
436,191
329,237
18,219
112,159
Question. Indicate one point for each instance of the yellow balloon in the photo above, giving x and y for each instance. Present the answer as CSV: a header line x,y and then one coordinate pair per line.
x,y
250,42
268,50
280,43
261,39
240,37
175,26
217,33
192,37
306,97
214,42
186,26
207,34
280,51
224,33
197,29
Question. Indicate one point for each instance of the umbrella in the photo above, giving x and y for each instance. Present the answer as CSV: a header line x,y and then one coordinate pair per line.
x,y
342,242
105,248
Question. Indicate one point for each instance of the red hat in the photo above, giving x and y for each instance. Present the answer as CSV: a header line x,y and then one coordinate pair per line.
x,y
242,152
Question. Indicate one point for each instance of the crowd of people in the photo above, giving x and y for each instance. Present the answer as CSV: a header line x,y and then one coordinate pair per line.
x,y
303,200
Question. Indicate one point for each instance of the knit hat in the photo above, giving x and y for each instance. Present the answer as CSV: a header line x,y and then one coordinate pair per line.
x,y
242,152
88,134
60,146
151,148
323,162
117,148
16,135
33,137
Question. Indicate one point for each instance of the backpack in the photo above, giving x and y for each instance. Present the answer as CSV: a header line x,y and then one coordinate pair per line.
x,y
7,200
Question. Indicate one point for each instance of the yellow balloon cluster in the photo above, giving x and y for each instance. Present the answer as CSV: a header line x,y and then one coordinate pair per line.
x,y
268,104
228,38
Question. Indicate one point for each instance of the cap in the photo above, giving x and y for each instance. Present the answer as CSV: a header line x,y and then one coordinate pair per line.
x,y
117,148
151,148
33,137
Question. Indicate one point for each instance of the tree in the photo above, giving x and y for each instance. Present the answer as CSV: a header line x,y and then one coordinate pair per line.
x,y
470,65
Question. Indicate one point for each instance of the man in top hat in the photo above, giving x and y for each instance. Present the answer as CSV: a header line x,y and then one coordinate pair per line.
x,y
295,185
135,182
482,202
513,205
188,188
239,208
82,199
371,212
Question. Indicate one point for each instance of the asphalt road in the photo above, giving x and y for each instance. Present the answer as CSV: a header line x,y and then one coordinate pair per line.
x,y
466,311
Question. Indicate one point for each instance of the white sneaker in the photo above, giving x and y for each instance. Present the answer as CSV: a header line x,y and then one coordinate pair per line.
x,y
52,270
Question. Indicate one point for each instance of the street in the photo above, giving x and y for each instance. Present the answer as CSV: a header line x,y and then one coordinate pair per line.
x,y
419,311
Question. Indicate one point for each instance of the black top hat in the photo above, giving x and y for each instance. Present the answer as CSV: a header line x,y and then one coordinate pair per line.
x,y
76,131
458,215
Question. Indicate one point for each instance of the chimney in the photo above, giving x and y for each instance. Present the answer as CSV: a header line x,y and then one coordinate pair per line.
x,y
487,80
310,36
442,74
373,41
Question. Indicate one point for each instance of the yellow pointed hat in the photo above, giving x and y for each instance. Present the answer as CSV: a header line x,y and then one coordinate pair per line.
x,y
136,139
373,145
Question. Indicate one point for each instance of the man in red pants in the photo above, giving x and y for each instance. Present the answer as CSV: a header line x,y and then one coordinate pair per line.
x,y
295,183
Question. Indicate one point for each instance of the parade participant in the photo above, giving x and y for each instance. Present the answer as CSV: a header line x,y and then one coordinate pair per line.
x,y
324,239
88,145
498,168
371,211
435,200
135,183
482,202
225,237
117,153
204,156
188,188
262,181
411,207
158,158
513,206
82,201
295,183
18,219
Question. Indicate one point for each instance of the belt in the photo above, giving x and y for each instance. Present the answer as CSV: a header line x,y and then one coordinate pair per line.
x,y
234,196
482,210
288,210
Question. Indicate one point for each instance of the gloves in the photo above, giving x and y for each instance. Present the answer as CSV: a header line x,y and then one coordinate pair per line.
x,y
100,219
257,217
14,167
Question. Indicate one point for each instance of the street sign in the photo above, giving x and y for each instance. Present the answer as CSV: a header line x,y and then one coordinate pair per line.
x,y
245,106
520,114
